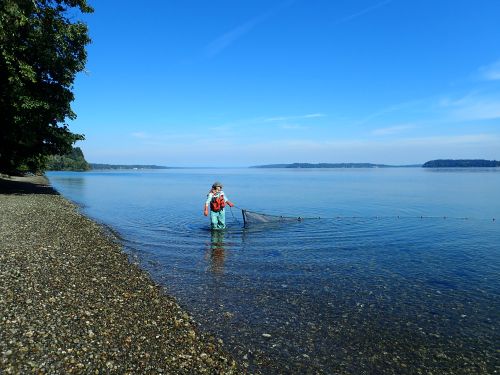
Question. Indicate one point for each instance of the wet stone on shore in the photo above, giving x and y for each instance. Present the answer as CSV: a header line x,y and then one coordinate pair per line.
x,y
71,302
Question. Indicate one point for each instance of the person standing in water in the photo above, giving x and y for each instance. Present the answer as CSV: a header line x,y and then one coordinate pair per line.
x,y
217,201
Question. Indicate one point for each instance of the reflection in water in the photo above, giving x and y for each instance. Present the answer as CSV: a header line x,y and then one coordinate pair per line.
x,y
360,295
216,252
76,184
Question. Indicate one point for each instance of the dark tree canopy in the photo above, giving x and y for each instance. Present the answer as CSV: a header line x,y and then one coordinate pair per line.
x,y
42,48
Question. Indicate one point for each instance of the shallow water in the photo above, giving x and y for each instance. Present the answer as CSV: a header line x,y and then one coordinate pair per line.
x,y
400,274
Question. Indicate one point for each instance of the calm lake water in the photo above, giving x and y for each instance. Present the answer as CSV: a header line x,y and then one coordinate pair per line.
x,y
400,275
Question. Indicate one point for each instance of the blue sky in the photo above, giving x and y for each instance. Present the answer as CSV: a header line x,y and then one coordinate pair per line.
x,y
247,82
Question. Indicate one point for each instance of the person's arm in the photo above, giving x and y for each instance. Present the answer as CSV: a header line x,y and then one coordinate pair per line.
x,y
227,201
205,208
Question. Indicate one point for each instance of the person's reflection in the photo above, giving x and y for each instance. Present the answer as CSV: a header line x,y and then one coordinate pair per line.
x,y
216,252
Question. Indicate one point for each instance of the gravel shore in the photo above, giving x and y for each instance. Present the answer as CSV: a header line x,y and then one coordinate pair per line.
x,y
72,302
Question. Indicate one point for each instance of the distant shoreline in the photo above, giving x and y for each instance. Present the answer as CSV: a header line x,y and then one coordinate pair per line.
x,y
461,163
335,165
98,166
439,163
432,164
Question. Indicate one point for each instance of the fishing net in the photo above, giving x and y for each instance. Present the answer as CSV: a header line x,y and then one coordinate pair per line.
x,y
250,217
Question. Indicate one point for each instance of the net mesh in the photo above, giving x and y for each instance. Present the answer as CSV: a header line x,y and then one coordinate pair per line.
x,y
250,217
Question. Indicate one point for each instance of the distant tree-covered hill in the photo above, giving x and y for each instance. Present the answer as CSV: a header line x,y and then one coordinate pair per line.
x,y
74,161
331,165
461,163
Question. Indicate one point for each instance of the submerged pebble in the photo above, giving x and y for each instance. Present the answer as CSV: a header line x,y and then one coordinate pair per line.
x,y
70,300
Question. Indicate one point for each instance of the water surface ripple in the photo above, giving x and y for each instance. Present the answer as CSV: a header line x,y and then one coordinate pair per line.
x,y
371,287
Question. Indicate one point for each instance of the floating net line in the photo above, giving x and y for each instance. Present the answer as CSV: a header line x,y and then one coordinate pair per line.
x,y
252,217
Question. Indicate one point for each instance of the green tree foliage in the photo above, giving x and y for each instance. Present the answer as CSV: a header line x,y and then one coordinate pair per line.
x,y
42,49
461,163
74,161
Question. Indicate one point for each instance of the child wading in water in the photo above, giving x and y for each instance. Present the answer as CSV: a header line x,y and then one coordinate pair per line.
x,y
217,201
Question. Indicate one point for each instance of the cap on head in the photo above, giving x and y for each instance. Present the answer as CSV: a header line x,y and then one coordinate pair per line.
x,y
216,184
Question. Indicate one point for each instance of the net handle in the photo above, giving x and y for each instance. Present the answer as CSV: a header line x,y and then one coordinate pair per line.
x,y
243,214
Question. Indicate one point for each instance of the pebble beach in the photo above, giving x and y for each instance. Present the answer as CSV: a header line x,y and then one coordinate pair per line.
x,y
71,301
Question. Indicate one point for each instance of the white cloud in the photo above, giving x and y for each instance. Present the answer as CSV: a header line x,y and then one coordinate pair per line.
x,y
479,111
473,107
292,118
220,128
363,12
164,138
272,119
314,115
470,139
392,130
224,41
405,107
140,135
457,140
490,72
292,127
